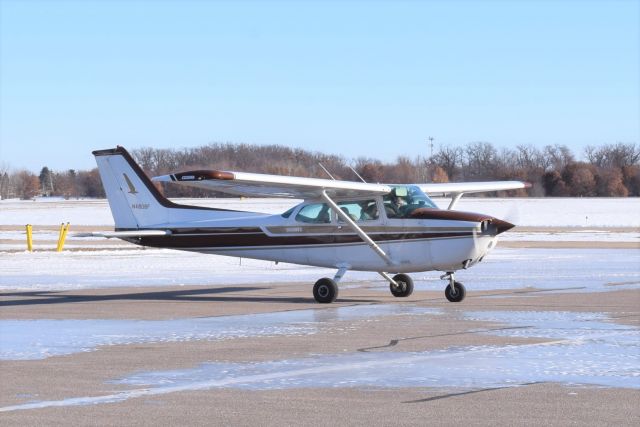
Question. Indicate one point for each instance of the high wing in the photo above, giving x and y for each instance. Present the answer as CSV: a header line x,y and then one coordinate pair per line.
x,y
265,185
457,189
471,187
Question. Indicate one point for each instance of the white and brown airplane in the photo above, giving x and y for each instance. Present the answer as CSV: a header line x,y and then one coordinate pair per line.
x,y
389,229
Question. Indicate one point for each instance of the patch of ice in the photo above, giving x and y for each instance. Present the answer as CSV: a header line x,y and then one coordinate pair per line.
x,y
39,339
586,350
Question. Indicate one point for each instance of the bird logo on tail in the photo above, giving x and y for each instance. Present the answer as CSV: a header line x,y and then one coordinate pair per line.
x,y
132,189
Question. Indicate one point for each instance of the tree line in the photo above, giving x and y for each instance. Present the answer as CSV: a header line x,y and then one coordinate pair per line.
x,y
610,170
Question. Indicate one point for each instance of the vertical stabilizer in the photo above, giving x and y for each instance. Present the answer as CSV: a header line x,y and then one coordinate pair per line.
x,y
135,202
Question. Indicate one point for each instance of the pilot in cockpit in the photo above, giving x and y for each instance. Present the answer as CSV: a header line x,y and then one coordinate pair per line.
x,y
396,203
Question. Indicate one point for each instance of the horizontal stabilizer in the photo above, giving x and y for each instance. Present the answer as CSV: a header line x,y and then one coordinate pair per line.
x,y
122,234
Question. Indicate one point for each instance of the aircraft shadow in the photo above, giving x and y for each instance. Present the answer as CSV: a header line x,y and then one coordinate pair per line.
x,y
193,295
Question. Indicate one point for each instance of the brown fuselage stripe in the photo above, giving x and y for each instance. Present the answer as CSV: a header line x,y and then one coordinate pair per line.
x,y
234,240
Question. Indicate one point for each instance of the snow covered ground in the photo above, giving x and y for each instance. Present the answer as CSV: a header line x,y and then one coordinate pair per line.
x,y
527,212
504,268
113,263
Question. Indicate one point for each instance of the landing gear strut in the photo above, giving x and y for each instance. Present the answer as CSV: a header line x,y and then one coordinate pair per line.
x,y
325,291
400,285
403,286
455,291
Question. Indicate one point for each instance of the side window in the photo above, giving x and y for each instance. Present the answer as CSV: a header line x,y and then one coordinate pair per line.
x,y
395,206
315,213
364,210
390,208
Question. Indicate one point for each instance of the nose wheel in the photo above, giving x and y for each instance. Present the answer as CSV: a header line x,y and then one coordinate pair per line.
x,y
455,291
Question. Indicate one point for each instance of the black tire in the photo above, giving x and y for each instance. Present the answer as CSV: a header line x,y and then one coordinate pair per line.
x,y
405,287
458,294
325,291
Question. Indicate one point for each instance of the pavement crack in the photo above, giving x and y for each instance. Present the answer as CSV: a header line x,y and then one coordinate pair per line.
x,y
396,341
466,393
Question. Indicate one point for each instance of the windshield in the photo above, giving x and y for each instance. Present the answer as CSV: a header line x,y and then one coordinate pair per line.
x,y
288,213
404,199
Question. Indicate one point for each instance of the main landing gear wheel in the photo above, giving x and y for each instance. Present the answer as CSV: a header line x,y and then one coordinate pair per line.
x,y
404,286
455,294
325,291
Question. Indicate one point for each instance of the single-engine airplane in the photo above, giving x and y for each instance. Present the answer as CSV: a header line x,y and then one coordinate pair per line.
x,y
389,229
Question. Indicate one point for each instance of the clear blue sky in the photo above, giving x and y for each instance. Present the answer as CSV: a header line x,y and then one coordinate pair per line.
x,y
359,79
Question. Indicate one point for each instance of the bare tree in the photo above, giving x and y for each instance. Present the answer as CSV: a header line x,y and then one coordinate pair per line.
x,y
613,155
89,184
66,184
580,179
553,171
450,159
610,184
26,184
482,161
4,180
631,179
558,156
370,170
438,175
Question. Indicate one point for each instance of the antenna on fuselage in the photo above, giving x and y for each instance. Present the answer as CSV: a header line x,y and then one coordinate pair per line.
x,y
357,174
327,172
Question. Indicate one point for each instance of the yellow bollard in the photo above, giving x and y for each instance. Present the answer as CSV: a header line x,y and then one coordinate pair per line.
x,y
63,235
60,237
29,237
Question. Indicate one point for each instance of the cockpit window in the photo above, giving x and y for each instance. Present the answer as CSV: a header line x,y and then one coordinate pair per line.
x,y
314,213
361,210
404,199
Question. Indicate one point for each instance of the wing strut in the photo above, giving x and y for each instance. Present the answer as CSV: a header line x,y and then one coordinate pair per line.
x,y
454,199
377,249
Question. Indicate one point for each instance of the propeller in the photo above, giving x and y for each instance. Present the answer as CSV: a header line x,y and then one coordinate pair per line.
x,y
513,213
494,227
